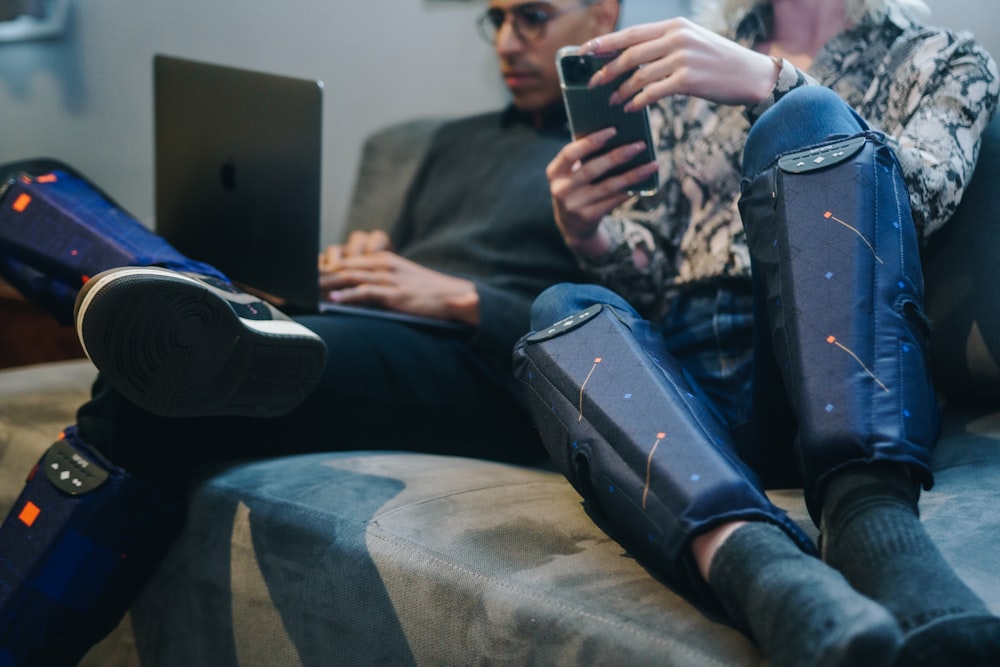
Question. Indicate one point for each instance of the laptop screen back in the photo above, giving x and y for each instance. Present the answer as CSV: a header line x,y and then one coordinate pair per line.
x,y
237,169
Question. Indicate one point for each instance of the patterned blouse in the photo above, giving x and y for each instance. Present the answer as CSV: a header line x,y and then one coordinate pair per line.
x,y
931,91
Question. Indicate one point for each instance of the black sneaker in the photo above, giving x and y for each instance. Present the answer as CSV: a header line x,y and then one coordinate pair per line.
x,y
185,345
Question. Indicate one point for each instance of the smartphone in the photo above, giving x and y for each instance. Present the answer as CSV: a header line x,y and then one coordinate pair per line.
x,y
588,110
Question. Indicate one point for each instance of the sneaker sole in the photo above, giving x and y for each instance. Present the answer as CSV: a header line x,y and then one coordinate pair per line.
x,y
175,348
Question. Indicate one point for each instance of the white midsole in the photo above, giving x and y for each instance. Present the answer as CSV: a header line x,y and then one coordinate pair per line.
x,y
271,327
284,327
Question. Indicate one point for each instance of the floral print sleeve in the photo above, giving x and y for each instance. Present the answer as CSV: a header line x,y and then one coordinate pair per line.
x,y
934,110
930,91
932,94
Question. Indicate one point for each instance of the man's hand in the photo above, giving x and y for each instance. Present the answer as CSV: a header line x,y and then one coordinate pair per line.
x,y
358,243
365,271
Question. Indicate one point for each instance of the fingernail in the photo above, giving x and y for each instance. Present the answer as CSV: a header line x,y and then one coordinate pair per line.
x,y
636,147
615,98
605,134
592,45
648,169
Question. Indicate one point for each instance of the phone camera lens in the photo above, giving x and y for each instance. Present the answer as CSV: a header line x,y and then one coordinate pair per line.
x,y
577,70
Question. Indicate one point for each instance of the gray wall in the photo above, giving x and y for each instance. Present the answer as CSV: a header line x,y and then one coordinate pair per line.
x,y
86,98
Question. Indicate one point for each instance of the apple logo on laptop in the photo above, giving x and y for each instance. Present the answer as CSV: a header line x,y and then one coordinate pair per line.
x,y
227,175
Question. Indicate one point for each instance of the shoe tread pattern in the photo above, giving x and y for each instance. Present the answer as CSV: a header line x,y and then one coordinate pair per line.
x,y
177,350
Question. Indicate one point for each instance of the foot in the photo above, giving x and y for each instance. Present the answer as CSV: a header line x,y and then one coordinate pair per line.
x,y
184,345
873,534
970,639
801,612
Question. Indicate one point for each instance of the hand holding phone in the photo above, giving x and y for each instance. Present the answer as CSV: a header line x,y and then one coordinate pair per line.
x,y
589,110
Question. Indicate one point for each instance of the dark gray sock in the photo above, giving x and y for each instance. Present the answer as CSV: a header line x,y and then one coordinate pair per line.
x,y
799,610
872,533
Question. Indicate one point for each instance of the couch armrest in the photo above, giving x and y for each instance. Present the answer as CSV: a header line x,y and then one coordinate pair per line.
x,y
389,160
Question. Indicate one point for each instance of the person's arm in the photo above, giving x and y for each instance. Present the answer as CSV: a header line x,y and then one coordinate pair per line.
x,y
934,118
581,199
498,314
939,99
673,57
504,315
367,272
630,244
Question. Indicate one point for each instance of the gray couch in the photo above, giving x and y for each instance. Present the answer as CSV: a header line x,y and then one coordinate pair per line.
x,y
394,558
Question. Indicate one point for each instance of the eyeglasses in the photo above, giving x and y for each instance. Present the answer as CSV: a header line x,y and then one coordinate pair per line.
x,y
529,20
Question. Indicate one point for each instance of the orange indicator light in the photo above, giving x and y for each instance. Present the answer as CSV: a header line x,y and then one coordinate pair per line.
x,y
22,202
29,513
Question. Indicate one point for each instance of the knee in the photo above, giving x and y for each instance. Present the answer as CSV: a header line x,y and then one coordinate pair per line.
x,y
552,305
804,117
564,299
806,101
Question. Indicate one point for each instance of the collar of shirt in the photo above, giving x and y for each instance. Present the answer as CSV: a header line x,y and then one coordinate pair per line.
x,y
553,118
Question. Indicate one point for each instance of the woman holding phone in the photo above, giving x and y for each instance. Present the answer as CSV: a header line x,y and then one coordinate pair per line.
x,y
820,142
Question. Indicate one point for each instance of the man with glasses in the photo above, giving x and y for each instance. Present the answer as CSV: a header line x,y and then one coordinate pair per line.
x,y
476,242
526,37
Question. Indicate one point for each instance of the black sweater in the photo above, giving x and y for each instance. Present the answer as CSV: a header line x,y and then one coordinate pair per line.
x,y
479,207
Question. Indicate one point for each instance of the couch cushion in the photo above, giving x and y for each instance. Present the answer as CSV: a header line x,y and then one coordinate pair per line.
x,y
435,560
410,559
397,558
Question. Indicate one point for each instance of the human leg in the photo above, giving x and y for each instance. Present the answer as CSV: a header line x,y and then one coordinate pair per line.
x,y
435,395
72,556
80,541
836,256
57,230
835,252
444,396
385,385
623,423
871,532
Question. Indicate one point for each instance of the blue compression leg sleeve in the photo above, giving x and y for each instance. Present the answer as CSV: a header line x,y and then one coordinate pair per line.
x,y
57,230
75,550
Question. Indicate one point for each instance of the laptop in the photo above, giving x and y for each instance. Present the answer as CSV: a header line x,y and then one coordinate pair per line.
x,y
238,157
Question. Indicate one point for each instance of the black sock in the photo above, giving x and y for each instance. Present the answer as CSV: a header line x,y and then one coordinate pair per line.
x,y
798,609
872,533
